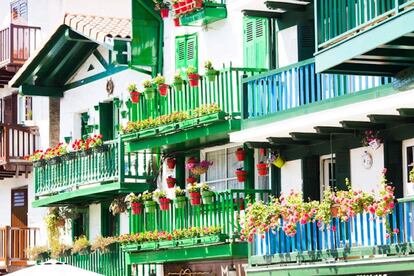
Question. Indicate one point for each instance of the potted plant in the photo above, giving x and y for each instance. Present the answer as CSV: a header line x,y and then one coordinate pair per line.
x,y
149,202
103,244
194,192
206,193
262,168
81,246
239,204
38,253
163,7
135,202
171,182
162,87
163,200
198,168
96,143
37,158
240,154
64,251
241,175
191,180
183,6
149,91
278,161
133,93
371,138
180,199
178,82
171,163
411,175
118,205
176,21
211,73
193,77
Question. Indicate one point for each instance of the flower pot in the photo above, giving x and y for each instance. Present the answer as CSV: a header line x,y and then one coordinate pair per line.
x,y
178,86
60,223
193,79
241,175
164,13
198,4
55,160
136,208
39,163
134,96
241,204
150,206
163,89
211,75
195,198
191,180
180,202
124,114
262,169
208,197
171,163
164,204
171,182
190,5
279,162
240,154
149,93
198,170
176,22
335,210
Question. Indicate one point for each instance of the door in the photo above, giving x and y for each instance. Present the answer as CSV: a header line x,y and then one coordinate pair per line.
x,y
18,236
10,109
106,120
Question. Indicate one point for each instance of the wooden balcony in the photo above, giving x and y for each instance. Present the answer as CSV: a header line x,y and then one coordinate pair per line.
x,y
364,37
224,212
361,237
14,243
17,43
82,177
299,86
16,142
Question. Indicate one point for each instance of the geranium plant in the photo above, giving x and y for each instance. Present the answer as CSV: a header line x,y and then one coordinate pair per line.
x,y
211,73
178,82
198,168
193,77
160,82
133,92
149,91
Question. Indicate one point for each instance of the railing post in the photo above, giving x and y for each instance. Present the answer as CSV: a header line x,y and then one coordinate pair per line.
x,y
7,247
244,99
11,43
6,141
121,160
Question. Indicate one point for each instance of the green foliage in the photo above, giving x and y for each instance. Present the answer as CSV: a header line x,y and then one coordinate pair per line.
x,y
81,244
132,87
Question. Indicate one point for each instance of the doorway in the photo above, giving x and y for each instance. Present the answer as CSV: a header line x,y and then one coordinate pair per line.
x,y
19,207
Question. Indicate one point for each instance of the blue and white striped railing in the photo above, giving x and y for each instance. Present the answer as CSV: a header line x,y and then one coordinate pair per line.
x,y
298,85
364,230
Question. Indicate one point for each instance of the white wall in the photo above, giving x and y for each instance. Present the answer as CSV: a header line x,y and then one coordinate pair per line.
x,y
367,180
123,224
94,221
291,176
287,41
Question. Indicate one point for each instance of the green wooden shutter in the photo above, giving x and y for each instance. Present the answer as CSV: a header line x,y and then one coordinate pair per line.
x,y
106,120
109,223
342,168
191,51
248,42
311,178
180,49
393,163
261,42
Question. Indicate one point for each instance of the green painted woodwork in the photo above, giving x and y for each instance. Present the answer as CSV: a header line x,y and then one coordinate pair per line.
x,y
100,58
186,51
110,224
111,170
191,253
343,168
35,90
80,225
211,12
249,166
147,35
256,42
311,178
111,263
393,161
106,120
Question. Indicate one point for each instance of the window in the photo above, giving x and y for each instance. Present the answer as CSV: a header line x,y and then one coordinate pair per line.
x,y
80,225
221,176
186,54
408,164
328,175
19,12
256,42
84,125
28,108
109,222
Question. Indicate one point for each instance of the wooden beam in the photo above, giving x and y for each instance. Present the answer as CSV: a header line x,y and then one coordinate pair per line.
x,y
275,5
333,130
361,125
284,141
406,112
266,14
34,90
258,145
308,136
389,119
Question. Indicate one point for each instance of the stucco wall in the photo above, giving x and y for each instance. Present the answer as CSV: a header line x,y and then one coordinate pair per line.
x,y
291,176
94,221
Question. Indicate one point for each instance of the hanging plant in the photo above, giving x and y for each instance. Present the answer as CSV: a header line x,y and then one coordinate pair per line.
x,y
262,168
133,93
198,168
171,163
371,138
178,82
163,200
149,91
163,7
206,193
162,87
118,205
277,160
240,154
191,180
149,202
177,21
171,182
211,73
193,76
241,175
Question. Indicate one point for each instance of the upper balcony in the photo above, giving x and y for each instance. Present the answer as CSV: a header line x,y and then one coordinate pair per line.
x,y
17,43
82,176
200,12
364,37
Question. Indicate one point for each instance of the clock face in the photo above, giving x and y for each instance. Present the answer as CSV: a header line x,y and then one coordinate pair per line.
x,y
367,160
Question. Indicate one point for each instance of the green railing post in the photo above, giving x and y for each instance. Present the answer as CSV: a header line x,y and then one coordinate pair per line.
x,y
121,160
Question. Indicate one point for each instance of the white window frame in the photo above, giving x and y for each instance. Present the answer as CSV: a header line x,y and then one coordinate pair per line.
x,y
408,187
324,180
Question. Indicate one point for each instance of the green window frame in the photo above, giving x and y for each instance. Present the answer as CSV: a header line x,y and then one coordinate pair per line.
x,y
80,225
110,224
186,51
256,45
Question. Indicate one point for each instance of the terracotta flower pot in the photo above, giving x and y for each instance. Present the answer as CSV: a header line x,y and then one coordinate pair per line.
x,y
134,96
164,13
136,208
195,198
240,154
171,182
163,88
193,79
164,204
191,180
241,175
171,163
176,22
262,169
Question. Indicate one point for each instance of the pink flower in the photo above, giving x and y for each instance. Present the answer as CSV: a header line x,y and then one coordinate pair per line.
x,y
387,236
396,231
333,228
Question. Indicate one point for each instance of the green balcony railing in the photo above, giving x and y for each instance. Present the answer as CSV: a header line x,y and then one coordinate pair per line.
x,y
339,20
111,263
223,212
225,91
111,165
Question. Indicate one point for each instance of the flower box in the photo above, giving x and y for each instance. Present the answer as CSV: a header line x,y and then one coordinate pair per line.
x,y
213,238
212,117
69,156
101,148
167,128
186,242
85,153
147,132
55,160
167,244
39,163
149,245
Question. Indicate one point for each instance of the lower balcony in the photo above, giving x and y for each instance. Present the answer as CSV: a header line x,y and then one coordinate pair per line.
x,y
360,245
191,230
84,176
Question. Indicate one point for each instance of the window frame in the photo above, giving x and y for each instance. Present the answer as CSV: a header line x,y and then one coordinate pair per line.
x,y
405,145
